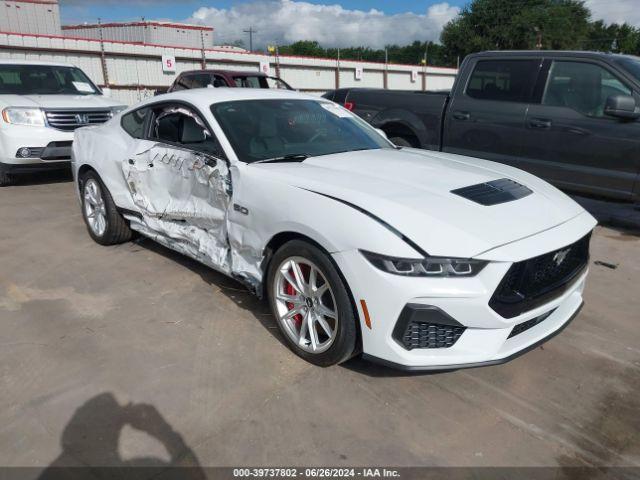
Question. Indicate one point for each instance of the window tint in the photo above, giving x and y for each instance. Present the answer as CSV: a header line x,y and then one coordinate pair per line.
x,y
133,123
44,80
182,83
179,126
219,81
274,82
630,63
200,80
250,82
502,80
583,87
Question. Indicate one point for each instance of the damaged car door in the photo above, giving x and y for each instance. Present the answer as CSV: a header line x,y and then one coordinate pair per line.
x,y
179,180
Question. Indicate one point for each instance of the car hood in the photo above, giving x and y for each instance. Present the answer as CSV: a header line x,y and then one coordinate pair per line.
x,y
59,101
410,190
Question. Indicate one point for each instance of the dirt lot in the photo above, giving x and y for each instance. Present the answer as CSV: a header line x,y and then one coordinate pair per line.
x,y
112,354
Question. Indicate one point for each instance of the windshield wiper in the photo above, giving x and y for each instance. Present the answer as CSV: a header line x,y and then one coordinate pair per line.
x,y
294,157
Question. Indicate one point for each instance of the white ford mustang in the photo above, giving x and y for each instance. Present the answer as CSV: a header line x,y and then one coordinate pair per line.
x,y
417,259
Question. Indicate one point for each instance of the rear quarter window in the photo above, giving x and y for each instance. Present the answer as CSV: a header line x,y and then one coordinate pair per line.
x,y
133,122
502,80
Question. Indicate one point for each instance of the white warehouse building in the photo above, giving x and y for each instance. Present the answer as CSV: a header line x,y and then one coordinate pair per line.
x,y
30,16
146,32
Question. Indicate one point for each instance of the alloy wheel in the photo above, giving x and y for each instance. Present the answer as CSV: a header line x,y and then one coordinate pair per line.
x,y
94,207
305,305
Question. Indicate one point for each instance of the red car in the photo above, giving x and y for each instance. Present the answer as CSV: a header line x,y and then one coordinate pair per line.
x,y
225,78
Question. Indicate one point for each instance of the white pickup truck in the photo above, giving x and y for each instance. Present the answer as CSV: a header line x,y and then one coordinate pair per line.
x,y
41,104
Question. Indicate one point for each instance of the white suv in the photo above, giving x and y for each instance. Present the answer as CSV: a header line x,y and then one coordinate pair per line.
x,y
41,104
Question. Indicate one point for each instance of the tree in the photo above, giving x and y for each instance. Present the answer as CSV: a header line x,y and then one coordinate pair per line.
x,y
613,38
516,25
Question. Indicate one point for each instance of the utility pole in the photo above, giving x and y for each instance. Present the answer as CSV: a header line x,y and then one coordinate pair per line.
x,y
204,56
103,60
538,38
338,70
386,68
251,31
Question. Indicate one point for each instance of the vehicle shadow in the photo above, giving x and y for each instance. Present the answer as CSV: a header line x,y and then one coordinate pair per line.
x,y
232,289
42,178
260,310
90,444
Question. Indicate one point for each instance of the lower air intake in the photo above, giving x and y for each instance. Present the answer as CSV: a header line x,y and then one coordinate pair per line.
x,y
430,335
426,326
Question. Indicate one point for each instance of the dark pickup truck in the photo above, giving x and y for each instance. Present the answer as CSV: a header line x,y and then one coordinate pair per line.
x,y
568,117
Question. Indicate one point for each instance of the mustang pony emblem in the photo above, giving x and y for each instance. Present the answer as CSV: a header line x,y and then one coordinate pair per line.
x,y
560,256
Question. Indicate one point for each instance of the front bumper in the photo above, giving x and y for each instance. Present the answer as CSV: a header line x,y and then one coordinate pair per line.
x,y
47,148
486,338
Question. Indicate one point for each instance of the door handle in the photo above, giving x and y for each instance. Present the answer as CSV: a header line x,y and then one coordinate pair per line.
x,y
461,115
540,123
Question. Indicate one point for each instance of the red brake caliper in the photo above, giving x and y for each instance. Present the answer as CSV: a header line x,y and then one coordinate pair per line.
x,y
290,290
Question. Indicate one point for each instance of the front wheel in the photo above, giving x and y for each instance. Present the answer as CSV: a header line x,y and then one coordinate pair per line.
x,y
104,223
401,142
5,179
311,304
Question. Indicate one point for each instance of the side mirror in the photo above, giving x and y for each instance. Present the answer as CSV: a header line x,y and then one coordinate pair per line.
x,y
106,92
160,91
382,132
621,106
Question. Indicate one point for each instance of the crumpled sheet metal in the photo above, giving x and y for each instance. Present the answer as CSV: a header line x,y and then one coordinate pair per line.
x,y
184,200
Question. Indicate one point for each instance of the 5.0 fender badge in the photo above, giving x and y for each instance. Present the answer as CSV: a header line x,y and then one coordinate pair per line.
x,y
241,209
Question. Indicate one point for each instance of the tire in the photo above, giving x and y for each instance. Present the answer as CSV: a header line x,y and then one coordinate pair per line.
x,y
114,228
400,142
5,179
335,299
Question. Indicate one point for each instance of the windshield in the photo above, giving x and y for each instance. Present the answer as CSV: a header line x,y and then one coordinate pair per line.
x,y
44,80
630,64
266,129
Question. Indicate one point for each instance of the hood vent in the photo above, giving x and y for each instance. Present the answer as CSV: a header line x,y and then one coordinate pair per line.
x,y
494,192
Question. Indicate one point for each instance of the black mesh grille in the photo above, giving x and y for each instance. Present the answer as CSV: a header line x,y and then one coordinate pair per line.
x,y
524,326
430,335
530,283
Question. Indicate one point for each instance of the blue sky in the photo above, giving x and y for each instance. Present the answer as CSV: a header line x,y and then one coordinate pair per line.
x,y
88,10
331,22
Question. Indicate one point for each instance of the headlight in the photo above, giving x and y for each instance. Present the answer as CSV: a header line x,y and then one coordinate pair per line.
x,y
23,116
425,267
117,110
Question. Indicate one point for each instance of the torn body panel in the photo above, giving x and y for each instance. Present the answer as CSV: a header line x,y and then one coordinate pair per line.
x,y
184,198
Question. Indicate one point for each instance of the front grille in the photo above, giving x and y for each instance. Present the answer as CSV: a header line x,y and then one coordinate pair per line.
x,y
531,283
69,120
430,335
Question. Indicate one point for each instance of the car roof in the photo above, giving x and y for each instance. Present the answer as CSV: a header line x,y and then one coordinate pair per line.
x,y
12,61
545,53
233,73
209,96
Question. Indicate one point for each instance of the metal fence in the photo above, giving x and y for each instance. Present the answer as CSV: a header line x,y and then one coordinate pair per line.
x,y
134,70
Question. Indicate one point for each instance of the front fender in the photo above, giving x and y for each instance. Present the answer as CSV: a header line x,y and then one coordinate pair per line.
x,y
264,207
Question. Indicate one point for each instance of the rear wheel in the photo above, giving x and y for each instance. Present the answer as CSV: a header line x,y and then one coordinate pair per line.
x,y
310,302
104,223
